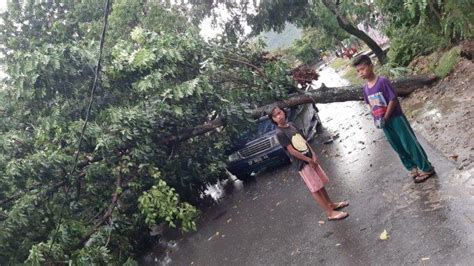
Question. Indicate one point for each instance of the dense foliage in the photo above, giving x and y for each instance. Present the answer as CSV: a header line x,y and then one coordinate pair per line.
x,y
140,163
418,27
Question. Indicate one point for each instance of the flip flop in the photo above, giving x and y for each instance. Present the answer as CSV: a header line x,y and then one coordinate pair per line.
x,y
340,216
423,176
340,205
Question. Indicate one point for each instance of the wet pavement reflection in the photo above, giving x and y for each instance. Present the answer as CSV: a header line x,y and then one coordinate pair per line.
x,y
274,220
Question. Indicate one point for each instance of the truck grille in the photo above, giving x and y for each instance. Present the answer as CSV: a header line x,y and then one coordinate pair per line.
x,y
256,148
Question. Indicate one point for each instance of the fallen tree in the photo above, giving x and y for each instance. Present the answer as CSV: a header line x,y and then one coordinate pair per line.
x,y
403,87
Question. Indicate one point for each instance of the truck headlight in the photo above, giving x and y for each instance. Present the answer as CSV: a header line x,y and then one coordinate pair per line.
x,y
234,157
274,141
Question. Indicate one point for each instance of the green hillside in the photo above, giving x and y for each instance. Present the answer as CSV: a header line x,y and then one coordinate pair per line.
x,y
275,40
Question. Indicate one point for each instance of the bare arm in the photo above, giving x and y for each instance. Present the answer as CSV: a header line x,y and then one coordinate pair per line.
x,y
391,107
315,159
297,154
369,108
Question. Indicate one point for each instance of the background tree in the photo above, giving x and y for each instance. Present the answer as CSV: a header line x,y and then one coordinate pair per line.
x,y
324,14
313,42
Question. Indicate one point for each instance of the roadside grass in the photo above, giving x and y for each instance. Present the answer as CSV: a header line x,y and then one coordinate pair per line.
x,y
447,62
392,72
339,63
350,74
439,63
344,67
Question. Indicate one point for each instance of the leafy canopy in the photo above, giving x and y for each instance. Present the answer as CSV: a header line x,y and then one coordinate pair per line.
x,y
159,80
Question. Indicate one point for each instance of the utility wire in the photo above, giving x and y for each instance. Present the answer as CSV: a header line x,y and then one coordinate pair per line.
x,y
89,107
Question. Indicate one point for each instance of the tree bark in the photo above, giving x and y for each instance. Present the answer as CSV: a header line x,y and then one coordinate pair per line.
x,y
105,217
403,87
346,25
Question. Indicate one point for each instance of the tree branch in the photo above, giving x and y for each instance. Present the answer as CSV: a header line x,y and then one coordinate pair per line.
x,y
18,195
107,214
192,132
434,10
80,165
260,72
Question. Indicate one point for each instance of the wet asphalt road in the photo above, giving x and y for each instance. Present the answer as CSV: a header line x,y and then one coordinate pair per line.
x,y
274,220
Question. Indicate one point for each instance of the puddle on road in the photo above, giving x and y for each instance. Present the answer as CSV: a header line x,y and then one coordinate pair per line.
x,y
218,191
352,130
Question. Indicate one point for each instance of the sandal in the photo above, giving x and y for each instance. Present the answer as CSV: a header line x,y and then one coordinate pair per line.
x,y
414,173
339,216
423,176
340,205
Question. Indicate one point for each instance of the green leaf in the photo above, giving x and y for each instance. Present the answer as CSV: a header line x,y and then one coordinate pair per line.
x,y
143,58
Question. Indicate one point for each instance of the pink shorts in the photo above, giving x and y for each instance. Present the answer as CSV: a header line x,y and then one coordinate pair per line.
x,y
315,180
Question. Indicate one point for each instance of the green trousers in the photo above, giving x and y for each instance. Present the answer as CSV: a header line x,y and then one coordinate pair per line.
x,y
400,135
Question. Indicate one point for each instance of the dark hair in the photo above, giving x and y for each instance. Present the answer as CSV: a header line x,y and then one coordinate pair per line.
x,y
362,59
270,114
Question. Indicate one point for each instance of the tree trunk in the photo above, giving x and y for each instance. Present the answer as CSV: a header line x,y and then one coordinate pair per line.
x,y
403,87
346,25
467,49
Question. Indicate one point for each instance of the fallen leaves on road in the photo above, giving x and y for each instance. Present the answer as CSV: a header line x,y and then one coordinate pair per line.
x,y
216,234
384,235
296,252
321,222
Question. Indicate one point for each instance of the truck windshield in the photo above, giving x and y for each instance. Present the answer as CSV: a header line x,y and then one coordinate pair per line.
x,y
264,126
261,127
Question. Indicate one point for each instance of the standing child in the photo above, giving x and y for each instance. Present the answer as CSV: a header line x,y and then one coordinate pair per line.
x,y
383,102
292,140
